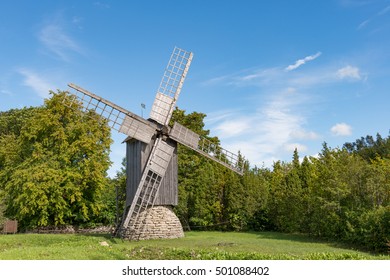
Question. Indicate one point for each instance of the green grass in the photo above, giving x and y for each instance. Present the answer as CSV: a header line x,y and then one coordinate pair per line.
x,y
195,245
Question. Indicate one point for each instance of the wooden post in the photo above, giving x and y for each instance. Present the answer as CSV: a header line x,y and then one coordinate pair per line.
x,y
11,226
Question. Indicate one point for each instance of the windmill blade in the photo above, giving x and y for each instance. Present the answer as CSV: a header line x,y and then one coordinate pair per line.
x,y
205,147
118,118
170,86
148,187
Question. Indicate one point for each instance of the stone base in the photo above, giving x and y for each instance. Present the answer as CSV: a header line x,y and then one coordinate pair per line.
x,y
158,222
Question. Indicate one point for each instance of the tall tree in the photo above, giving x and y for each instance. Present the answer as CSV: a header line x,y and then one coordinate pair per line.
x,y
56,172
368,148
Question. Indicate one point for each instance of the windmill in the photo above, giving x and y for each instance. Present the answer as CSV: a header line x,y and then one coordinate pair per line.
x,y
152,149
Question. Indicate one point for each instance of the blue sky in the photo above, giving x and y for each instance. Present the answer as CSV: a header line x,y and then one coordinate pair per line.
x,y
270,75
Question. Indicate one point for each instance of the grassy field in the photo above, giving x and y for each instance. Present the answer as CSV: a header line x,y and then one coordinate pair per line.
x,y
195,245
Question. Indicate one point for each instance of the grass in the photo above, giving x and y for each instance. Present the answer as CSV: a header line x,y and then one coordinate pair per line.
x,y
195,245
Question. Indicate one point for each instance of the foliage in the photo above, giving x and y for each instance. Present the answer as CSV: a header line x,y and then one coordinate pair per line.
x,y
368,148
119,187
342,194
211,196
53,164
338,195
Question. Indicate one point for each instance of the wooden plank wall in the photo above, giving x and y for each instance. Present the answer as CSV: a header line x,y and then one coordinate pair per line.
x,y
137,154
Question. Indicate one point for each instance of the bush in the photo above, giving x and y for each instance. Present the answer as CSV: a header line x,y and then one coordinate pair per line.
x,y
260,221
376,226
2,218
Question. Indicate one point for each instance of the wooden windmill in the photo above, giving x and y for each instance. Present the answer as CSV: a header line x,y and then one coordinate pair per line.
x,y
152,147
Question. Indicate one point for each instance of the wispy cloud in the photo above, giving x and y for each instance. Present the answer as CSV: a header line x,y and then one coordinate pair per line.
x,y
233,127
303,134
363,24
374,18
384,11
101,5
302,61
58,42
282,110
37,83
5,92
3,86
349,72
341,129
266,133
291,147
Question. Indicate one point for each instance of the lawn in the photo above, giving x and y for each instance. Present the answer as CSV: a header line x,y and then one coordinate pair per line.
x,y
195,245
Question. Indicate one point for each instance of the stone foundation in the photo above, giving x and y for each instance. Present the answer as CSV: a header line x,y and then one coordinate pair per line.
x,y
158,222
72,229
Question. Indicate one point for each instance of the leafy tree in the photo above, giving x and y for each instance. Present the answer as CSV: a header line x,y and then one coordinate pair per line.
x,y
119,183
369,148
196,175
210,196
277,196
54,172
10,127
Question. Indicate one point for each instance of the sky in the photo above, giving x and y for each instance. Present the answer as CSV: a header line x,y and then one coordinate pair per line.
x,y
271,76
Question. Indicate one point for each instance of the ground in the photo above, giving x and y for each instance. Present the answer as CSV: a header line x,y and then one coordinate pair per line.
x,y
195,245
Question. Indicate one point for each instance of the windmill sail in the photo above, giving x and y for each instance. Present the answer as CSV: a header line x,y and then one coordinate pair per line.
x,y
205,147
147,189
170,86
118,118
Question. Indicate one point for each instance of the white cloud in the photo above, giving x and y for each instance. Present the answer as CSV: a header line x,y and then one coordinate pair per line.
x,y
304,135
341,129
290,147
272,130
363,24
301,62
101,5
58,42
230,128
266,134
36,83
349,72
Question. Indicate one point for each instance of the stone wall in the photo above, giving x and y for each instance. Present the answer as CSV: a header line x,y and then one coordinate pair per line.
x,y
158,222
73,229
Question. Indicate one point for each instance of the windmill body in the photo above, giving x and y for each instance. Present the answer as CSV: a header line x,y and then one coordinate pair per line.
x,y
137,154
159,221
151,150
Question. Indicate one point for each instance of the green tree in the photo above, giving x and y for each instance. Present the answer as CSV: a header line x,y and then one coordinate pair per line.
x,y
277,196
369,148
192,191
326,193
119,183
56,172
210,196
288,197
10,126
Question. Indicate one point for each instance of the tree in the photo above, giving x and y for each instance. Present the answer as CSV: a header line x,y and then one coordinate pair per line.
x,y
368,148
10,126
210,196
119,183
56,172
195,176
